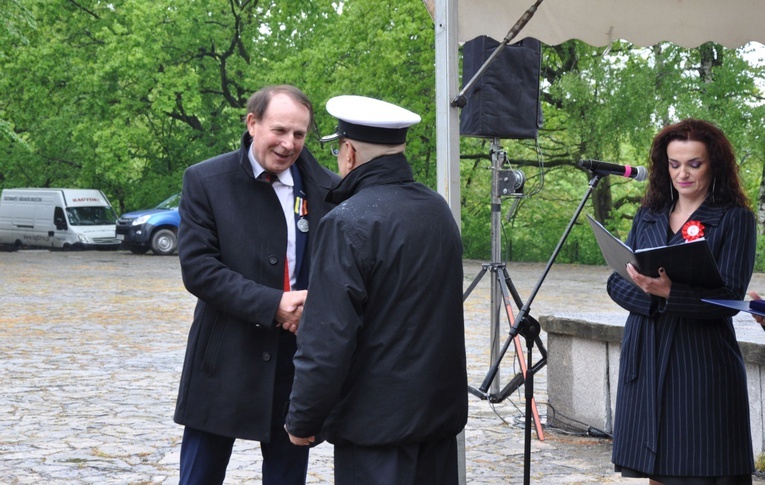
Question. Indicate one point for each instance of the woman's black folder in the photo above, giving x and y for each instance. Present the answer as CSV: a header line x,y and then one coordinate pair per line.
x,y
690,263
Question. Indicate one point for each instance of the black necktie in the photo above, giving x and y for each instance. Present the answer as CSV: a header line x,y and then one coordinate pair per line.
x,y
268,177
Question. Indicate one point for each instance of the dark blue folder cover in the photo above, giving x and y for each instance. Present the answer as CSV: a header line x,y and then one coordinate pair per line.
x,y
744,306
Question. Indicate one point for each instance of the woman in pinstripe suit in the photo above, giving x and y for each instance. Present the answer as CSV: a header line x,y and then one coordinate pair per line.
x,y
682,413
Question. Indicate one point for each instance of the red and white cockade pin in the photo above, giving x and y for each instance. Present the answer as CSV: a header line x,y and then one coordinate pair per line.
x,y
693,230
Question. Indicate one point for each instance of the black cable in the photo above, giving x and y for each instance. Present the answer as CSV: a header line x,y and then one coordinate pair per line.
x,y
519,421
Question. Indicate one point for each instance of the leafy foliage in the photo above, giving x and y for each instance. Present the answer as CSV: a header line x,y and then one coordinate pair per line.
x,y
124,95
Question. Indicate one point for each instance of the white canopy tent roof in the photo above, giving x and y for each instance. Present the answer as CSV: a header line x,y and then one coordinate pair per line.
x,y
687,23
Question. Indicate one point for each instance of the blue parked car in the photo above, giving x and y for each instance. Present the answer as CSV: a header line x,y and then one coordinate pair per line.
x,y
155,229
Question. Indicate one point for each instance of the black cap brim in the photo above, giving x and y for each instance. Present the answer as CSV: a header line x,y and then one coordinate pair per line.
x,y
369,134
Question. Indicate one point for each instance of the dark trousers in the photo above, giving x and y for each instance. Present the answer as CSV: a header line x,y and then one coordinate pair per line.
x,y
427,463
205,457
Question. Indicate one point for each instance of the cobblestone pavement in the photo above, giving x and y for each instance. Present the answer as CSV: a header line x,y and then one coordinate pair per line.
x,y
91,348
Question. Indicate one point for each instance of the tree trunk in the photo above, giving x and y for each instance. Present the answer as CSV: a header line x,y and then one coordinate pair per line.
x,y
602,201
761,204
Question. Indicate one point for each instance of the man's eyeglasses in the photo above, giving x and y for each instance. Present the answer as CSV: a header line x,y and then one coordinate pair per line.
x,y
334,146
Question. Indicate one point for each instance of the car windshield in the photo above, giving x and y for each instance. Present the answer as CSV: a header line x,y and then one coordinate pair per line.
x,y
91,216
171,202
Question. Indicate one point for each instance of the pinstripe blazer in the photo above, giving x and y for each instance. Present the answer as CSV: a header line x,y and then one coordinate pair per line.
x,y
682,406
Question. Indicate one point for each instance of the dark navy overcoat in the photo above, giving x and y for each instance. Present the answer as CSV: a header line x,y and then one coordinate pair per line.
x,y
232,245
682,406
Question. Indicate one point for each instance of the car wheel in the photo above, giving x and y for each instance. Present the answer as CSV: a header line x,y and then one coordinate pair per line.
x,y
164,242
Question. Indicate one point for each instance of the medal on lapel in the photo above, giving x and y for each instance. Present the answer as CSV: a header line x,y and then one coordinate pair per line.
x,y
301,210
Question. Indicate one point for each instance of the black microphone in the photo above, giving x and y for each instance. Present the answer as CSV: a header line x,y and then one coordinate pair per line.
x,y
603,168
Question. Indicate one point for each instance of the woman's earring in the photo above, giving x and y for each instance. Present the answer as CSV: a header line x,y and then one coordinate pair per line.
x,y
671,192
714,182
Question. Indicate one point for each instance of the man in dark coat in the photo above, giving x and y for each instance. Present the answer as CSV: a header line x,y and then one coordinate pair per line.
x,y
243,248
380,368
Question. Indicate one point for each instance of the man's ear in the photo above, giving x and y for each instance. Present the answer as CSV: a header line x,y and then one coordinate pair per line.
x,y
249,121
350,159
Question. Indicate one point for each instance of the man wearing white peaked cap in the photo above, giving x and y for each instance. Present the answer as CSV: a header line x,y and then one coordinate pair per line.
x,y
380,368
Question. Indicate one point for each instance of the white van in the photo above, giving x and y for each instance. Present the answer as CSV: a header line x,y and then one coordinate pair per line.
x,y
57,218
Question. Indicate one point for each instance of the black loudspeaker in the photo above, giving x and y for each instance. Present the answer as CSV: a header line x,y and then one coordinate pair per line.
x,y
504,101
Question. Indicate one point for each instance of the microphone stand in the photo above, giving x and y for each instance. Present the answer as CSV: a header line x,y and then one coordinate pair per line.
x,y
530,329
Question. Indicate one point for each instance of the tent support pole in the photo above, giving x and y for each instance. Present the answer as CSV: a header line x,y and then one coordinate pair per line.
x,y
447,133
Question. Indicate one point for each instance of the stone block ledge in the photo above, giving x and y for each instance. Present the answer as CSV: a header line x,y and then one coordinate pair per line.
x,y
583,367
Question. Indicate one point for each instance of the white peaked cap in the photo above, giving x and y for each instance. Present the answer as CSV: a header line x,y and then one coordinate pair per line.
x,y
369,120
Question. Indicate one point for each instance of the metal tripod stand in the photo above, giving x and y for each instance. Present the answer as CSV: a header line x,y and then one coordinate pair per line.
x,y
508,183
505,182
522,323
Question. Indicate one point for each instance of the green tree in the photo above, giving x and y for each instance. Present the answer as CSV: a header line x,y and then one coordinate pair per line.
x,y
381,50
124,95
15,18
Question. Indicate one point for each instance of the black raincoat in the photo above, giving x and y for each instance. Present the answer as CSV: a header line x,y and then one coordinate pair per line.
x,y
381,346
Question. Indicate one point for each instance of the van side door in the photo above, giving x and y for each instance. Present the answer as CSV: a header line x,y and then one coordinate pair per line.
x,y
59,219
